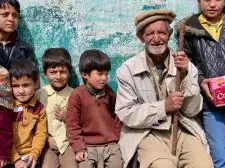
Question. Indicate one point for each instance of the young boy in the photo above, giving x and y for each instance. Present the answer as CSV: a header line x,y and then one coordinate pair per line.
x,y
29,127
205,45
11,47
6,111
93,128
57,68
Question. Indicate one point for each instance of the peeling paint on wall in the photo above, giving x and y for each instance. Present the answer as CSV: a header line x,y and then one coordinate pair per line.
x,y
79,25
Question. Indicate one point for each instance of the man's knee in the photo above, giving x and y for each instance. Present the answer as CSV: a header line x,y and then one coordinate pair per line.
x,y
200,163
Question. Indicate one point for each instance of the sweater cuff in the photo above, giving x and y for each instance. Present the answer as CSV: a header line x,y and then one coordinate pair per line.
x,y
16,158
161,114
35,153
15,155
79,147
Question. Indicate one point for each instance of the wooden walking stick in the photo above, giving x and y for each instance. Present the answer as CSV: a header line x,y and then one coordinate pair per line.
x,y
177,88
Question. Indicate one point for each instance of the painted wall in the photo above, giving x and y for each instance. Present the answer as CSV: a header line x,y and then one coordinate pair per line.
x,y
78,25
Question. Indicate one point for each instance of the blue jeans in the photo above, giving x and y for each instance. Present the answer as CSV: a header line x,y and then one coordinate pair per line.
x,y
214,124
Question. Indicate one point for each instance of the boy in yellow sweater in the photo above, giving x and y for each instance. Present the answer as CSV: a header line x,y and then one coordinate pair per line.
x,y
29,126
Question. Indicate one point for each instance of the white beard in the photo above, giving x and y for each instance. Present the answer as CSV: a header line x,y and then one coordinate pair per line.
x,y
156,50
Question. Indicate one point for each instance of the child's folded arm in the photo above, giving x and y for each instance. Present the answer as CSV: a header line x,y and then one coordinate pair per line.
x,y
15,155
73,123
74,133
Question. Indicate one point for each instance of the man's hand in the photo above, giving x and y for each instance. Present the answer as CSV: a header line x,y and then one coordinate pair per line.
x,y
3,163
51,143
181,62
20,164
205,88
32,162
174,102
81,156
60,113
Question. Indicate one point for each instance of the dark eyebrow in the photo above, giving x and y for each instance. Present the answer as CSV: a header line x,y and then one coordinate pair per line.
x,y
14,84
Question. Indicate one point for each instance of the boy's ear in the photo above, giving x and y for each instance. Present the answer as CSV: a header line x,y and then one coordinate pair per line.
x,y
37,84
84,75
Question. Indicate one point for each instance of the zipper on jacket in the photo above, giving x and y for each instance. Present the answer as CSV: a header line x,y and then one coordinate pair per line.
x,y
10,56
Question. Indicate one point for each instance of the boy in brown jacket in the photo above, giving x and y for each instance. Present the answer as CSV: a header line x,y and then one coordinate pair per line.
x,y
93,129
29,126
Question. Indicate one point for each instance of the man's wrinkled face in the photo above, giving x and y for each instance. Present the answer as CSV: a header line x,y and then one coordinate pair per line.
x,y
156,36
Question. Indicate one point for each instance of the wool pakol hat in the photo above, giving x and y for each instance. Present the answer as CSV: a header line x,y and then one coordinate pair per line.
x,y
145,18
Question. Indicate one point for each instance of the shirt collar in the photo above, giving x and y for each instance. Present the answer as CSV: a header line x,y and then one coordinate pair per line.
x,y
141,64
31,103
203,20
166,62
51,91
11,39
95,92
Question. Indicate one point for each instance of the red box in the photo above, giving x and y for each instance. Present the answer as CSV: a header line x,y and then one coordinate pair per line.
x,y
217,88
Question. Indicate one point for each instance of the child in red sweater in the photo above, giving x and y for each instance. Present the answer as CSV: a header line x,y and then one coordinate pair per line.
x,y
93,128
6,113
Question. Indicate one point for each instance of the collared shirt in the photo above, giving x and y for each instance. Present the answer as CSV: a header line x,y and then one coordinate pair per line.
x,y
213,29
29,129
53,100
159,75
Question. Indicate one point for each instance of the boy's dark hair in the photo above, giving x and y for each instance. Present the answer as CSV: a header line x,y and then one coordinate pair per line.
x,y
54,57
94,60
14,3
24,67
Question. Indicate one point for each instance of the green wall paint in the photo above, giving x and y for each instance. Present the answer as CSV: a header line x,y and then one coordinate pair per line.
x,y
79,25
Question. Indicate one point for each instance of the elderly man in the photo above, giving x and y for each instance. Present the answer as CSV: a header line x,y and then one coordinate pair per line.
x,y
146,99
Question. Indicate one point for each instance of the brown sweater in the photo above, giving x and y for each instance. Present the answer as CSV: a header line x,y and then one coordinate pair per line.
x,y
91,120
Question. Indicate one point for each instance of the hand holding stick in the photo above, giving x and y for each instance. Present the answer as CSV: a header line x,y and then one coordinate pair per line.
x,y
177,88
